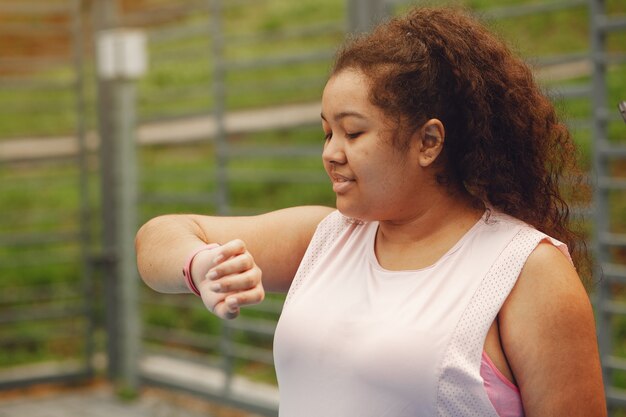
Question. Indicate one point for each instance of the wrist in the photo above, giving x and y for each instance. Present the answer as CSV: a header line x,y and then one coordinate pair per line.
x,y
187,268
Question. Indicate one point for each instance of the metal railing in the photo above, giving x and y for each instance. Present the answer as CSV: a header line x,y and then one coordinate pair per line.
x,y
46,274
224,128
609,146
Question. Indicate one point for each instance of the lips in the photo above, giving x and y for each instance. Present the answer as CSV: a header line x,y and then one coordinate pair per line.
x,y
341,183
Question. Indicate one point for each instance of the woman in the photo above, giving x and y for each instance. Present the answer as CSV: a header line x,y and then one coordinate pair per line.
x,y
442,284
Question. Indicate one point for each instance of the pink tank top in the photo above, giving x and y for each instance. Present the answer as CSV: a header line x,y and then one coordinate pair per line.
x,y
355,339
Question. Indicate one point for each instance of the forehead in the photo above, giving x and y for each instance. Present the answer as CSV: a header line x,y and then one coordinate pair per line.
x,y
348,81
348,91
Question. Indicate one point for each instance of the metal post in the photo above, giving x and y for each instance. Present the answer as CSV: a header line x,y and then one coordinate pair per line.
x,y
105,17
363,15
121,60
221,163
126,215
85,211
597,13
219,108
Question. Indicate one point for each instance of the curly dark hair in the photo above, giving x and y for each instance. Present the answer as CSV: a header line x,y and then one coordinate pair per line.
x,y
504,143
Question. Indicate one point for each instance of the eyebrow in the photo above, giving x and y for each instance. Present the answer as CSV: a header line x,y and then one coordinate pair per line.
x,y
345,114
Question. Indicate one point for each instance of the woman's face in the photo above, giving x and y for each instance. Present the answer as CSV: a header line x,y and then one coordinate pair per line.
x,y
372,179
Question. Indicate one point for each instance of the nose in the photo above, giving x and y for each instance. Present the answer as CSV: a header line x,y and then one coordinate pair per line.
x,y
333,152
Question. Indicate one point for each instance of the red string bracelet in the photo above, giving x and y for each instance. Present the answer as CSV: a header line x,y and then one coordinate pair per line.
x,y
187,268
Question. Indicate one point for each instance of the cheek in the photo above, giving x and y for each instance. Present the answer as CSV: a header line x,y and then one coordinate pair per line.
x,y
379,179
392,177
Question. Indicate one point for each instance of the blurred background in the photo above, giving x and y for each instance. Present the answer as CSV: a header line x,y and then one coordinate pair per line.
x,y
224,118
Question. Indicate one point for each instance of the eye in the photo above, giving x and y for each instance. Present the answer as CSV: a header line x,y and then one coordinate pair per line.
x,y
353,135
328,136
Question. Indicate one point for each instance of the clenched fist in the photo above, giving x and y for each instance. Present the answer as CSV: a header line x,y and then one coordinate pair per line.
x,y
227,278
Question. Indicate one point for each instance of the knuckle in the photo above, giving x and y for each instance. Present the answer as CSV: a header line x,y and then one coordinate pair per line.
x,y
217,273
225,269
248,265
238,243
248,281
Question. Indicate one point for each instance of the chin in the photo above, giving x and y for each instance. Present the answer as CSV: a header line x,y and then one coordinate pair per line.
x,y
354,213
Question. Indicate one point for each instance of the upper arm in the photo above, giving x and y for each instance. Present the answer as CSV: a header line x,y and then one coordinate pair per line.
x,y
548,335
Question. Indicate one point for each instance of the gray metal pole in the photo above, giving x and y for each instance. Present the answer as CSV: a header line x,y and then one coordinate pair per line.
x,y
363,15
128,324
105,17
597,11
85,210
219,108
221,163
120,61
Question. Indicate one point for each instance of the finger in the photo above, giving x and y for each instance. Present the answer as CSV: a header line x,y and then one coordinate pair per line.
x,y
210,298
227,309
227,305
203,261
234,265
218,255
216,304
237,282
245,298
232,248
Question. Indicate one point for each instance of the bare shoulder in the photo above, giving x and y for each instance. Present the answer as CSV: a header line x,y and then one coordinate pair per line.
x,y
548,335
548,269
550,291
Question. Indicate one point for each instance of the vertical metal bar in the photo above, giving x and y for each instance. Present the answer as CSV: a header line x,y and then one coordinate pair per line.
x,y
83,166
120,147
105,17
228,363
219,107
363,15
128,325
597,11
221,163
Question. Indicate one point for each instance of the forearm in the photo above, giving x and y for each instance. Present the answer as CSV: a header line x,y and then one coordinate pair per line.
x,y
276,240
163,245
226,277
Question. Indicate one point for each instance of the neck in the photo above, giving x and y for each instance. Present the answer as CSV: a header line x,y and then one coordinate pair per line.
x,y
419,241
444,215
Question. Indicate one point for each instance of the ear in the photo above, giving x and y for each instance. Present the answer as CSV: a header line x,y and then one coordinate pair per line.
x,y
432,135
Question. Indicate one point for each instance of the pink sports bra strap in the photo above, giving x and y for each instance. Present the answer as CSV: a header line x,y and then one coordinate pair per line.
x,y
503,394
